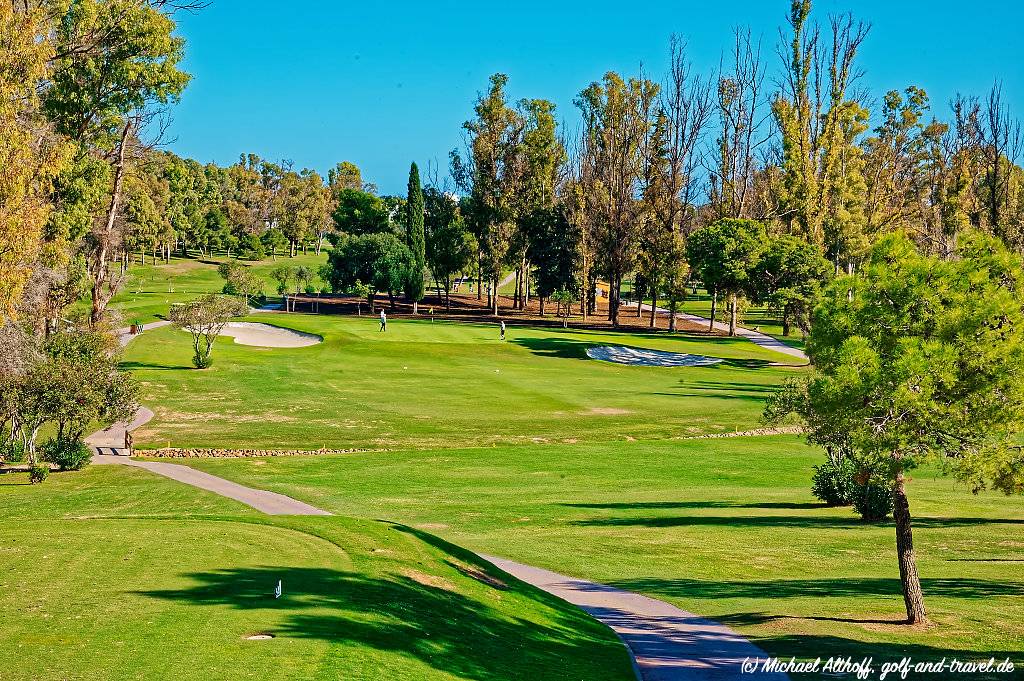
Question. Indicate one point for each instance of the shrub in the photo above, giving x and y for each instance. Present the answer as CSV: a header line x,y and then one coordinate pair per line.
x,y
37,473
68,454
199,361
12,450
872,497
833,482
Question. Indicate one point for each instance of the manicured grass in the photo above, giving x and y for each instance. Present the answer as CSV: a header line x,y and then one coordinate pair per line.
x,y
427,384
151,288
724,527
114,573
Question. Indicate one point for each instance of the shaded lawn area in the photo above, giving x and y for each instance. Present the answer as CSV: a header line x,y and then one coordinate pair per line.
x,y
150,289
726,528
436,384
115,573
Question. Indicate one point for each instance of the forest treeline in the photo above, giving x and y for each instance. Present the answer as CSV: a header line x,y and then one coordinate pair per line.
x,y
782,153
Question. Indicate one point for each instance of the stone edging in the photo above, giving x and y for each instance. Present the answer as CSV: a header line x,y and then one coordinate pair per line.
x,y
201,453
778,430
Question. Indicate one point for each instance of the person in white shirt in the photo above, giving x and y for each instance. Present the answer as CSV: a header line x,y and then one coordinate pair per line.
x,y
502,329
383,321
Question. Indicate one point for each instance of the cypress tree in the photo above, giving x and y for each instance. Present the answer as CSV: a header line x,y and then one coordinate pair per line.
x,y
415,239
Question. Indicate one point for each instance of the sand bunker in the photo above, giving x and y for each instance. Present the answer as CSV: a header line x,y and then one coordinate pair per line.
x,y
267,336
649,358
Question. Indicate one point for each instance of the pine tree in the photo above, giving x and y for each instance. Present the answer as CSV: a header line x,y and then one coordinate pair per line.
x,y
415,239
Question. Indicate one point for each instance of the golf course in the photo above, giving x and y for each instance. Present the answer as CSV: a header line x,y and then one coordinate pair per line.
x,y
571,342
640,477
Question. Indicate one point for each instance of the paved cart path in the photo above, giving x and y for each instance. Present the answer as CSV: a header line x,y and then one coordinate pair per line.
x,y
756,337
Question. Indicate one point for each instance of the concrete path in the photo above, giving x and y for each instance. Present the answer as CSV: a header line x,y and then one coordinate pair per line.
x,y
111,440
667,643
125,335
270,503
756,337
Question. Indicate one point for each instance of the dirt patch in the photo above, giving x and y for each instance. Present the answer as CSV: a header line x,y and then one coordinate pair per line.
x,y
607,411
429,580
479,575
432,526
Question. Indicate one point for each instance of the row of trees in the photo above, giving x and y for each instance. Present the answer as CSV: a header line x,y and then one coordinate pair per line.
x,y
652,162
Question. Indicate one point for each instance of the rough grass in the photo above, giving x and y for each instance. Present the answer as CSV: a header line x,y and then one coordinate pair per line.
x,y
114,573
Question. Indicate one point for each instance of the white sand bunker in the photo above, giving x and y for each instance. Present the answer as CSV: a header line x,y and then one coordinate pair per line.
x,y
649,358
267,336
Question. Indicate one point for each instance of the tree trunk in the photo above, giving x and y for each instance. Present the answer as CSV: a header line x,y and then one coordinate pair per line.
x,y
785,320
672,304
494,289
480,277
913,598
415,307
542,306
654,305
732,314
714,308
101,273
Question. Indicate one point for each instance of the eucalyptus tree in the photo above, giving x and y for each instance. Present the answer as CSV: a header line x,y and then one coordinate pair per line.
x,y
113,61
618,117
491,173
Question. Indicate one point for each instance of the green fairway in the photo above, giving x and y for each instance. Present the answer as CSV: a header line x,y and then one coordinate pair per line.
x,y
114,573
724,527
151,288
441,384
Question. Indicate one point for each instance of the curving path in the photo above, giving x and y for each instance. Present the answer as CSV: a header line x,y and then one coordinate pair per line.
x,y
666,643
756,337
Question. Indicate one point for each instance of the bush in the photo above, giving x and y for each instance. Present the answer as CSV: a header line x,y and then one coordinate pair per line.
x,y
872,497
37,473
202,362
833,482
12,451
69,455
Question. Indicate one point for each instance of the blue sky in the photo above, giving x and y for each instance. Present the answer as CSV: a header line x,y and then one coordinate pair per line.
x,y
385,83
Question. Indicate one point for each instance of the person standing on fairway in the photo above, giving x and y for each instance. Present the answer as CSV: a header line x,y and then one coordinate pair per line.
x,y
383,321
502,329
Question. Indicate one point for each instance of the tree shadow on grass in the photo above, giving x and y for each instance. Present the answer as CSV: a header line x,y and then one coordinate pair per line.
x,y
817,588
434,624
153,367
797,521
639,505
564,348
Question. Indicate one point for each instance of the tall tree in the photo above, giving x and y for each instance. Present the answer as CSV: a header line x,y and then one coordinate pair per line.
x,y
617,121
491,174
917,360
29,155
415,239
114,59
822,188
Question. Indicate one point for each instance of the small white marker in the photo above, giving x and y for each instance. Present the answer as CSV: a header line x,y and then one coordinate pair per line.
x,y
277,591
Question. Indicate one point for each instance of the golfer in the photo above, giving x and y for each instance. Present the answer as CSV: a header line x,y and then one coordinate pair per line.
x,y
502,329
383,321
